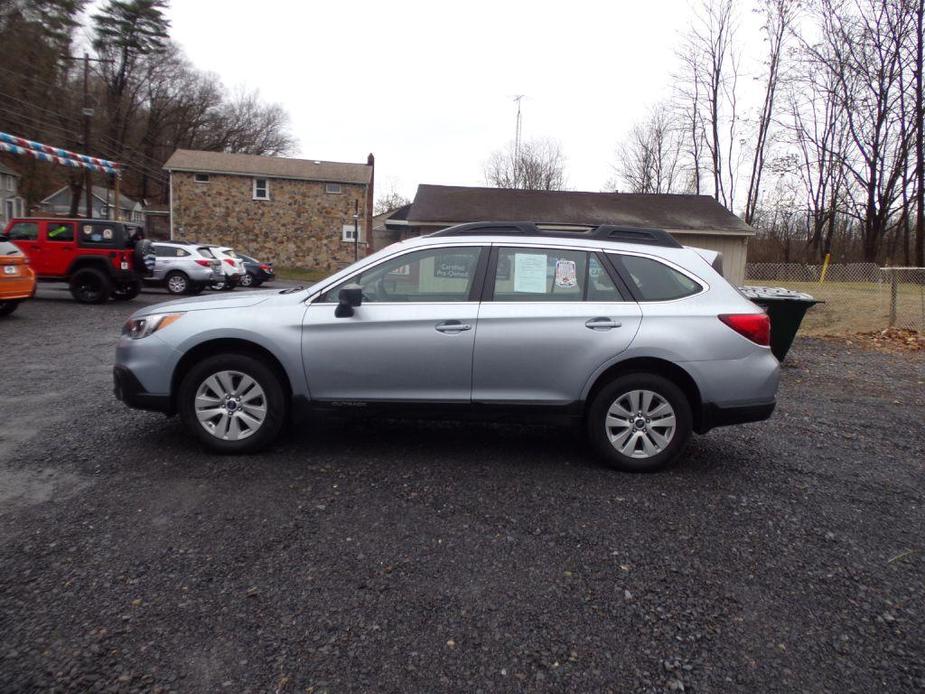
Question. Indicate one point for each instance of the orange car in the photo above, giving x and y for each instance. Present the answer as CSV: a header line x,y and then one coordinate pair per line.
x,y
17,280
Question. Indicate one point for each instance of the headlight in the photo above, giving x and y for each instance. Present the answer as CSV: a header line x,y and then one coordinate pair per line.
x,y
137,328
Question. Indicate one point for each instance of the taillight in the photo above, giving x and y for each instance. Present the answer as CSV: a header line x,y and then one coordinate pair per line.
x,y
203,262
229,261
265,267
755,326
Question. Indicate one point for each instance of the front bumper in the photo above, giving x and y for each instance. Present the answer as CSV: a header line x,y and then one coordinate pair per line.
x,y
128,389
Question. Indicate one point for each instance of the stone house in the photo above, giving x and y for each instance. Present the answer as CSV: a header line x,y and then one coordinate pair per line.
x,y
694,220
11,202
293,212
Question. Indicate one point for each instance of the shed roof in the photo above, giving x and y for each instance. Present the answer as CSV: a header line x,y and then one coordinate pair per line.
x,y
274,167
434,204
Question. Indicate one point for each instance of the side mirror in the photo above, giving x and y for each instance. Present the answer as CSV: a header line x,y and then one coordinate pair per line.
x,y
348,298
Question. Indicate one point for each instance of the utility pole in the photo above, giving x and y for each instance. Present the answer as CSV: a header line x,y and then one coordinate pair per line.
x,y
88,114
517,126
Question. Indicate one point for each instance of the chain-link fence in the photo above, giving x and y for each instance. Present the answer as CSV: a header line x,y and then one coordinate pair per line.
x,y
859,297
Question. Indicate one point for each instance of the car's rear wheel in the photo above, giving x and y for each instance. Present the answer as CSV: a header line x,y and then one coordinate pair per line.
x,y
234,403
196,288
248,280
640,422
90,286
7,307
126,291
177,283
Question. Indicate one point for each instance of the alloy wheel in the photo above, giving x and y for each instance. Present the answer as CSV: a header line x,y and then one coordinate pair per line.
x,y
230,405
640,423
177,284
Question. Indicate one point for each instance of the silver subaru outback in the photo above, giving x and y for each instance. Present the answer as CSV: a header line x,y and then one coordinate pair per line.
x,y
628,332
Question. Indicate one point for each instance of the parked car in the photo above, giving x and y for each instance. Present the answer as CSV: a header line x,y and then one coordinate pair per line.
x,y
98,258
232,267
17,280
184,268
255,272
640,339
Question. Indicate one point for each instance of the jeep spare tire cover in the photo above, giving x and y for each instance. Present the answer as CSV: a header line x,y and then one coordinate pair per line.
x,y
144,255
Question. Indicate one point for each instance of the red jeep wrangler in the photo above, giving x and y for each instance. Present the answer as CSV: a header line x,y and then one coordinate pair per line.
x,y
98,258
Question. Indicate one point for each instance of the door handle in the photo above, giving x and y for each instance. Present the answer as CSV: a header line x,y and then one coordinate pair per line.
x,y
452,326
602,324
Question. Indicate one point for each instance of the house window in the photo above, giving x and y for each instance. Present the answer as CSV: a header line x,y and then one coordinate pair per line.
x,y
348,233
332,188
201,178
261,189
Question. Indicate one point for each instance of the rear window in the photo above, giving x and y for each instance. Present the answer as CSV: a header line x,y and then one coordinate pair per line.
x,y
205,252
655,281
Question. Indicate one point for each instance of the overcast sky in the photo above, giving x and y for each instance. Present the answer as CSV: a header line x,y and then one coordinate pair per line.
x,y
428,86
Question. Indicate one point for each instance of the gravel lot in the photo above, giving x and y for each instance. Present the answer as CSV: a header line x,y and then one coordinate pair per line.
x,y
779,557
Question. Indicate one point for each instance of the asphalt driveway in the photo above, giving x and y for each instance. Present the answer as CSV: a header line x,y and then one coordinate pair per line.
x,y
384,556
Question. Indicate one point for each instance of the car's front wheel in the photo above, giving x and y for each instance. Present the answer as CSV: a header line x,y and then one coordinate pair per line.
x,y
234,403
640,422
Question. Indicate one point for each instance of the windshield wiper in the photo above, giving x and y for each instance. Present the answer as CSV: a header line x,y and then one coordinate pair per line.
x,y
292,290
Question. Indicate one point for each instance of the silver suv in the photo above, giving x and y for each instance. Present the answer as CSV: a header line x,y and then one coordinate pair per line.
x,y
637,337
184,268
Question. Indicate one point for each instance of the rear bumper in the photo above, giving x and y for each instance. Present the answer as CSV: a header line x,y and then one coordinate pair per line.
x,y
128,389
713,416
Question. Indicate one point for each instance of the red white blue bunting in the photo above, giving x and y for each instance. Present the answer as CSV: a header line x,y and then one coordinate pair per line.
x,y
56,155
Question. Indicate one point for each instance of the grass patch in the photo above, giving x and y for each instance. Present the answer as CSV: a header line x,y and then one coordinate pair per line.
x,y
857,307
300,274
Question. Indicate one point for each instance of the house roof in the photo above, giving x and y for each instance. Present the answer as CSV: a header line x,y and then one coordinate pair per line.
x,y
435,205
100,193
4,169
273,167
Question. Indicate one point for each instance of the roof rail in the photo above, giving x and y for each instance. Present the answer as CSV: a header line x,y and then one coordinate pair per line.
x,y
609,232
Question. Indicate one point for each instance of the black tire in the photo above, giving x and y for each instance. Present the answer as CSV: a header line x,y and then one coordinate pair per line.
x,y
90,286
126,291
640,427
196,288
276,402
228,286
217,286
177,282
248,280
7,307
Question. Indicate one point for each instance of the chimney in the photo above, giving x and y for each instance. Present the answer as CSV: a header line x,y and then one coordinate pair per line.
x,y
370,197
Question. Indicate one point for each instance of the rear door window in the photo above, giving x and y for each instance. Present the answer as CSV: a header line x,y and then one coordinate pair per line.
x,y
551,274
655,281
59,231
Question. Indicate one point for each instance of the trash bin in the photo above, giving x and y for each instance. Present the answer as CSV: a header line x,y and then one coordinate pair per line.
x,y
786,309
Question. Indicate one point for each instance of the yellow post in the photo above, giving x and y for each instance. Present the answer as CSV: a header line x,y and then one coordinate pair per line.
x,y
825,266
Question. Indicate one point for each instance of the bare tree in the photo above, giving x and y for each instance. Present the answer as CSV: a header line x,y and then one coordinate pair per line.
x,y
919,129
711,72
778,18
535,165
649,161
861,46
389,201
